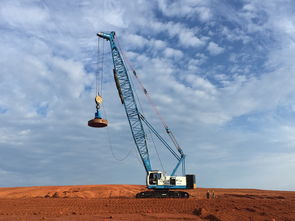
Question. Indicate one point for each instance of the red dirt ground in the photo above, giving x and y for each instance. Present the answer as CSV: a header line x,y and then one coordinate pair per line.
x,y
117,202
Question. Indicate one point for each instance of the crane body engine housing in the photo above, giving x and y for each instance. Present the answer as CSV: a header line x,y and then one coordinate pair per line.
x,y
158,180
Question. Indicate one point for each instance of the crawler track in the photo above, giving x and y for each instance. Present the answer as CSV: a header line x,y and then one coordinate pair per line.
x,y
162,194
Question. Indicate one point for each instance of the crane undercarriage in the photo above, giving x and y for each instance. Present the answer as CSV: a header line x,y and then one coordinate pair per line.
x,y
162,194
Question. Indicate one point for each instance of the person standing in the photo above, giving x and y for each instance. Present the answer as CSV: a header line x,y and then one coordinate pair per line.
x,y
208,194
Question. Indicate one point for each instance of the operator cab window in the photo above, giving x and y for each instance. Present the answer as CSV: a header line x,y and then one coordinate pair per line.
x,y
154,177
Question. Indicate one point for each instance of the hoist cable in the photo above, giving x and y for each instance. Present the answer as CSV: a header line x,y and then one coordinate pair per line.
x,y
140,105
143,88
105,111
130,78
156,150
102,68
110,141
169,132
97,68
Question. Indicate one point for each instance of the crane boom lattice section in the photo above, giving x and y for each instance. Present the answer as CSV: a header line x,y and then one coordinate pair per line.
x,y
128,99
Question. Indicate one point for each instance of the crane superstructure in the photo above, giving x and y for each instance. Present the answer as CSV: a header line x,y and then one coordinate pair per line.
x,y
160,182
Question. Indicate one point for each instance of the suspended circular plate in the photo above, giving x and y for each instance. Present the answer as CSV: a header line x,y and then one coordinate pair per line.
x,y
97,122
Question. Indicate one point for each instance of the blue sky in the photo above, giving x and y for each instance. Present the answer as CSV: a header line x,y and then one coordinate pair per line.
x,y
222,74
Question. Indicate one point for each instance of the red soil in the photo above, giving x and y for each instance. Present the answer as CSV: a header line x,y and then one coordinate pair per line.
x,y
117,202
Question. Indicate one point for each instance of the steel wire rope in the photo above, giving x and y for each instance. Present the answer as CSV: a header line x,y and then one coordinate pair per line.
x,y
105,111
102,68
150,134
138,100
156,150
145,91
110,141
154,107
97,68
130,79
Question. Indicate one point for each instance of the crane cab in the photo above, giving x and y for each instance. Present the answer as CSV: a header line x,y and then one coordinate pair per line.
x,y
154,178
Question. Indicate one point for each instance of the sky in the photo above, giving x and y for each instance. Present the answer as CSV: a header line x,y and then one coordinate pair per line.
x,y
221,73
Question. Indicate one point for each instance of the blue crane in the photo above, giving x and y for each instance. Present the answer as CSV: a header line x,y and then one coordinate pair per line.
x,y
157,180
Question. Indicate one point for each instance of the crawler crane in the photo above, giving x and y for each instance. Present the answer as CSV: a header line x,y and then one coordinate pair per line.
x,y
161,184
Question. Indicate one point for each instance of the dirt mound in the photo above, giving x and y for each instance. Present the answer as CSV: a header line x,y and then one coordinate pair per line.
x,y
118,202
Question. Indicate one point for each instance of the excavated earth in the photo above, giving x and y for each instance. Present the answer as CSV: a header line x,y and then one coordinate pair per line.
x,y
117,202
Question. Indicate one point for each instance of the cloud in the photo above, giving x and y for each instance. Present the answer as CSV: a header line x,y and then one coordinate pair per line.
x,y
187,8
170,52
235,34
214,49
200,83
18,15
187,38
158,44
136,41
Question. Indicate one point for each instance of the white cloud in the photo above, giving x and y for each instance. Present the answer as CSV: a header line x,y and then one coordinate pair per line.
x,y
186,8
188,39
158,44
171,52
25,132
235,34
200,83
114,14
135,41
23,15
214,48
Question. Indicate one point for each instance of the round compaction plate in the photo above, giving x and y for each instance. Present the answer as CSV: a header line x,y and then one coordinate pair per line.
x,y
96,122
